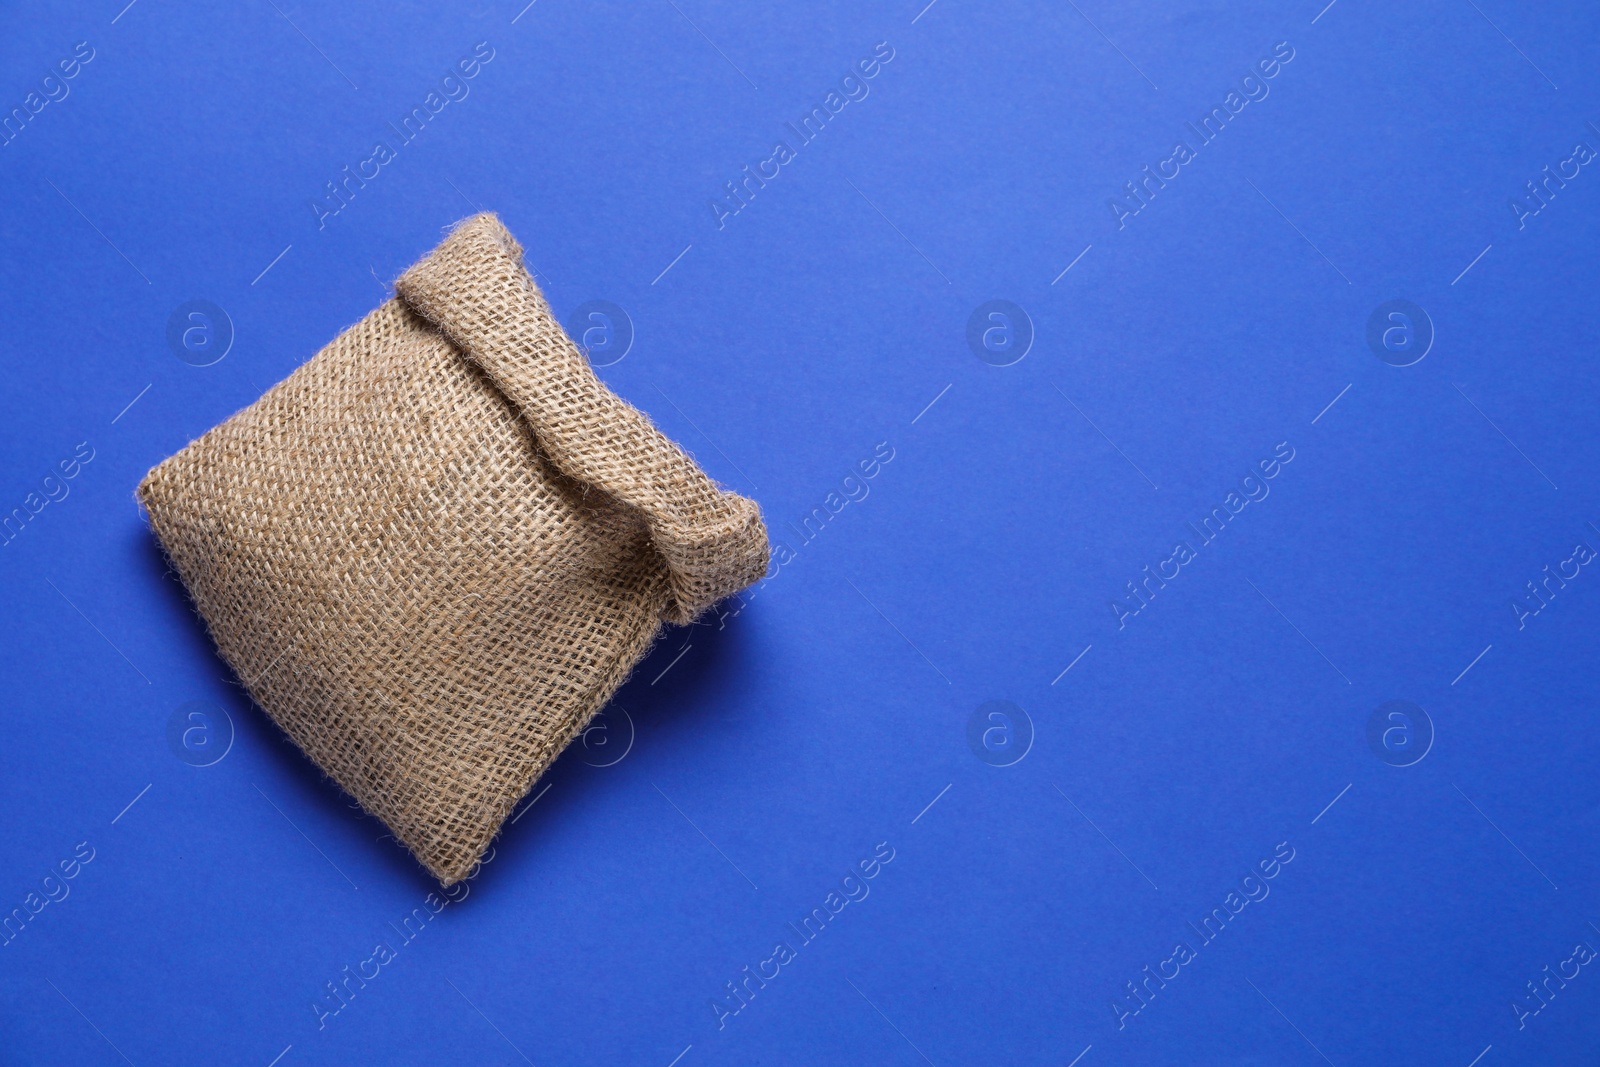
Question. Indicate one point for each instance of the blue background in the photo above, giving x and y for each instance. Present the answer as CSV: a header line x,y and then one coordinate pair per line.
x,y
776,746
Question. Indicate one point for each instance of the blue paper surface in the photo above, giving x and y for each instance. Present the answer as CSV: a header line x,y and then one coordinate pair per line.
x,y
1179,644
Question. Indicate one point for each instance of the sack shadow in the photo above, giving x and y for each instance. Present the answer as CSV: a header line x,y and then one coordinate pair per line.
x,y
690,675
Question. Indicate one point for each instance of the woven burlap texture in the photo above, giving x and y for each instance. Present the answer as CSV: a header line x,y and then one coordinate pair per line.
x,y
435,550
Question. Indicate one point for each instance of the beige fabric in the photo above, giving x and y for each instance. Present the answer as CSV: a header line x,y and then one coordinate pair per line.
x,y
436,549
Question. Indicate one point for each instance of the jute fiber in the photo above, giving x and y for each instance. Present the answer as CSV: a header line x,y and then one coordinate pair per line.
x,y
435,550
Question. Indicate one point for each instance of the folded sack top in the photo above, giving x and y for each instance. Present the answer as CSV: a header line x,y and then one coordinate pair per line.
x,y
435,550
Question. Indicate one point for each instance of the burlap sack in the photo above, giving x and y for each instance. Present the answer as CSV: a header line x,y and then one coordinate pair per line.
x,y
436,549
